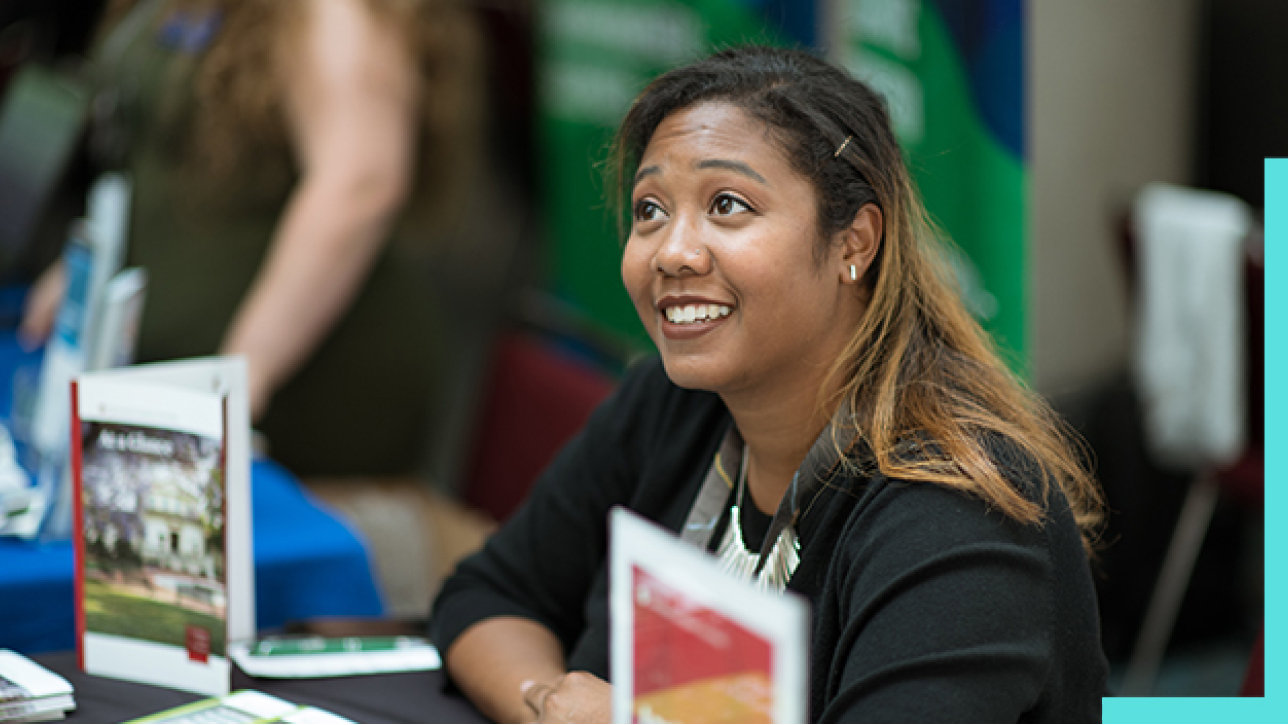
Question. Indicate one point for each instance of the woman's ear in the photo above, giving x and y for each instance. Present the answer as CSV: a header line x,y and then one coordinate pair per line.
x,y
860,242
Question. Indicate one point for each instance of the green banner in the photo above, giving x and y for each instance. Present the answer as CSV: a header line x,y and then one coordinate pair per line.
x,y
952,72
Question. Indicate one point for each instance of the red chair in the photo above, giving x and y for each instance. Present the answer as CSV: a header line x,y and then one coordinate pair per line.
x,y
536,397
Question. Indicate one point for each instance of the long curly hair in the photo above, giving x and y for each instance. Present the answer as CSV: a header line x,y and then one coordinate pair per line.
x,y
240,79
931,399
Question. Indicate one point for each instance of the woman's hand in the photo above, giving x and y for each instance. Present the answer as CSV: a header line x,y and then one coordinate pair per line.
x,y
573,697
41,305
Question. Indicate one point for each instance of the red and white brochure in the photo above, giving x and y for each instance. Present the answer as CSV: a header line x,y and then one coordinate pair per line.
x,y
691,643
161,468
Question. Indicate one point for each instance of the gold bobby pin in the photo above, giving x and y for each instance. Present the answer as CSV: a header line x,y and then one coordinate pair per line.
x,y
841,148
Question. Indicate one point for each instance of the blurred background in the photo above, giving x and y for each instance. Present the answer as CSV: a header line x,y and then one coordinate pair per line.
x,y
1032,127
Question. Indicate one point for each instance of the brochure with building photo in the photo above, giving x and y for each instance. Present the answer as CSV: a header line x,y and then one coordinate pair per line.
x,y
691,643
163,566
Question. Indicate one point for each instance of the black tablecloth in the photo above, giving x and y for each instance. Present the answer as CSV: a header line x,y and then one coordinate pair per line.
x,y
415,697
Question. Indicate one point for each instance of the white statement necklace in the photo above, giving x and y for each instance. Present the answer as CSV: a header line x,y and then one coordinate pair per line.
x,y
735,559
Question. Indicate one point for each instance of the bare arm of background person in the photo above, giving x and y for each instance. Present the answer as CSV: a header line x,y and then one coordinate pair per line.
x,y
350,86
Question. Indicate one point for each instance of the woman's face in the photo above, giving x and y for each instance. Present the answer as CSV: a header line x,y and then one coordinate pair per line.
x,y
721,261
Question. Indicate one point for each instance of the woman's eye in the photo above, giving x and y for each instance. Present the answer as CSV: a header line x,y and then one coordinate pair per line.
x,y
726,204
647,211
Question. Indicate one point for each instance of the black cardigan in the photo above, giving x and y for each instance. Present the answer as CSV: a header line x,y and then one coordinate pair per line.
x,y
927,605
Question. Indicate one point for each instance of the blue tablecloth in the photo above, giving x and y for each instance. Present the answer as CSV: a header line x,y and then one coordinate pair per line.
x,y
307,562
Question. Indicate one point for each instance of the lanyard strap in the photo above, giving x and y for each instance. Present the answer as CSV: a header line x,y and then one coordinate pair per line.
x,y
818,468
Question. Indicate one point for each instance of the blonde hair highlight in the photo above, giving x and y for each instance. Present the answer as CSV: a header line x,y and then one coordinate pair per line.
x,y
920,368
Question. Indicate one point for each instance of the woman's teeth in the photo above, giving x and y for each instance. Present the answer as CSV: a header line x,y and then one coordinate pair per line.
x,y
696,313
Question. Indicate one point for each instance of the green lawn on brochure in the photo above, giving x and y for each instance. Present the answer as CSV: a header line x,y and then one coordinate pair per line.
x,y
110,611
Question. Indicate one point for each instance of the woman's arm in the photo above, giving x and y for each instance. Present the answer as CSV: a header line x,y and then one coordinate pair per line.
x,y
350,98
540,580
512,669
493,659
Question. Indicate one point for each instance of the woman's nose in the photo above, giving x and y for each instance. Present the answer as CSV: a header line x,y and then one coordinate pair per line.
x,y
682,254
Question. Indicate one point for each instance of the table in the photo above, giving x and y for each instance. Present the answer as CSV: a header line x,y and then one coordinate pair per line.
x,y
308,563
403,697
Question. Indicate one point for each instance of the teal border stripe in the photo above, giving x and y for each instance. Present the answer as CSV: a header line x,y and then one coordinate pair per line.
x,y
1273,707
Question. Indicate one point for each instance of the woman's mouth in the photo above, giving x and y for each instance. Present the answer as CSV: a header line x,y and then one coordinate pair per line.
x,y
689,314
685,319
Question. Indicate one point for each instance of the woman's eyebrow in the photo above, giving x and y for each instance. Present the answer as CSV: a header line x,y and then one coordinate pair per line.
x,y
646,171
737,167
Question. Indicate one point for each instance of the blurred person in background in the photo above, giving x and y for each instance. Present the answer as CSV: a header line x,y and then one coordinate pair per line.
x,y
292,161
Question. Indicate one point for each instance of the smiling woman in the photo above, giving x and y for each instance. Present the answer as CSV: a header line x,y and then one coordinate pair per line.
x,y
821,383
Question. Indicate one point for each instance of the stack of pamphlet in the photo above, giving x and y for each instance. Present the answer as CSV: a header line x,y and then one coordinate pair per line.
x,y
95,328
31,693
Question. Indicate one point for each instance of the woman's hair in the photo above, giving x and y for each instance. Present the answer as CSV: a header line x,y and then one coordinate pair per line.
x,y
242,75
931,399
